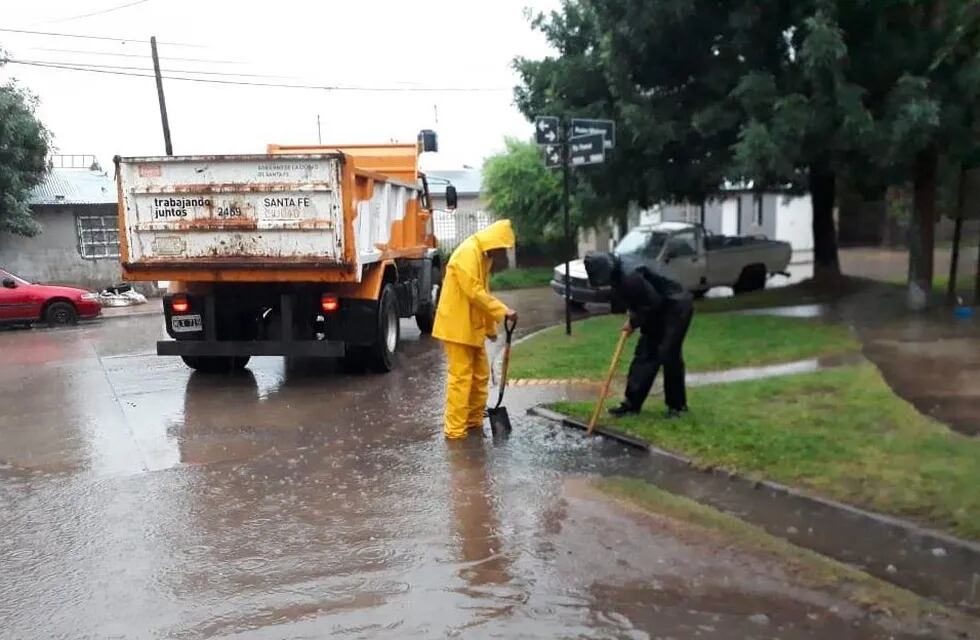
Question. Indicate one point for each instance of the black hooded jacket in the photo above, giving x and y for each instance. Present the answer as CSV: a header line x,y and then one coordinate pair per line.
x,y
649,293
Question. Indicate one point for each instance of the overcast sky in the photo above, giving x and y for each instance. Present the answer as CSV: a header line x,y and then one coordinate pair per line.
x,y
365,43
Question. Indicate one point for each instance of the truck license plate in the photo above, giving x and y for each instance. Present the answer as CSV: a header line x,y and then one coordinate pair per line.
x,y
186,324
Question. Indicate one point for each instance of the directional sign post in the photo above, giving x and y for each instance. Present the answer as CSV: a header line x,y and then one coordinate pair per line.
x,y
552,156
546,130
584,127
587,149
565,144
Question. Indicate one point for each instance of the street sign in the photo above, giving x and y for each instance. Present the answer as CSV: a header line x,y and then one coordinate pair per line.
x,y
546,130
552,155
585,126
588,149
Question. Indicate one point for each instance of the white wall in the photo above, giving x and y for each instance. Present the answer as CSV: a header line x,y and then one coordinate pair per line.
x,y
729,217
794,222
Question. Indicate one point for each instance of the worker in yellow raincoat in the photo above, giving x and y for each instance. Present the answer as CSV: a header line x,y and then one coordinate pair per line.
x,y
466,317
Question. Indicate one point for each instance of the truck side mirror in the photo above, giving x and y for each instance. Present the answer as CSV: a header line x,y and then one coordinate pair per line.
x,y
428,141
9,283
452,200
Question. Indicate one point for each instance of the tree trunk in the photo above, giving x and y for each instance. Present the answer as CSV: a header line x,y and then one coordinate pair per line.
x,y
823,192
623,222
954,261
922,232
976,282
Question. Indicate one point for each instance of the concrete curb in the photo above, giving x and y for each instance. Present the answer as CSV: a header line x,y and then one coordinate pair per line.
x,y
135,314
931,563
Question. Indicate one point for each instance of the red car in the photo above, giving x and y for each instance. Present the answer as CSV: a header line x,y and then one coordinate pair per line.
x,y
21,301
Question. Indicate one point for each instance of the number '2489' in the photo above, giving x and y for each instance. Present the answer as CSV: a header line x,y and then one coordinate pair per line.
x,y
229,212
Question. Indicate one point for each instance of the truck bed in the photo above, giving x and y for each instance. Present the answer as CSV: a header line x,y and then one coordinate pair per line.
x,y
195,211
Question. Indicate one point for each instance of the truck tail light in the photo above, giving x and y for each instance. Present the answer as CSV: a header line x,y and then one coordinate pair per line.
x,y
329,303
179,304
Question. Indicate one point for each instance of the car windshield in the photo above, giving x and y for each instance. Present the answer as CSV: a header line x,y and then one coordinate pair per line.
x,y
641,241
6,274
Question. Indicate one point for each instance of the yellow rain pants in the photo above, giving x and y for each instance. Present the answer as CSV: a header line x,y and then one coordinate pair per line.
x,y
466,388
467,315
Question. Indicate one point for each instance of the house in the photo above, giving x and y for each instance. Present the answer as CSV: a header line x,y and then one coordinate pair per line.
x,y
743,212
470,215
79,240
736,212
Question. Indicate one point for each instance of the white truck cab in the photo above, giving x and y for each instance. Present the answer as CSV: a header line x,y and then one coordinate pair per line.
x,y
697,258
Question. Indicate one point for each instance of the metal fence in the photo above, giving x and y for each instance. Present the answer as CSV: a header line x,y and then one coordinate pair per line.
x,y
452,227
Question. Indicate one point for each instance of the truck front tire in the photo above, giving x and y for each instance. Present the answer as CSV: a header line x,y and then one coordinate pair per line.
x,y
426,316
216,364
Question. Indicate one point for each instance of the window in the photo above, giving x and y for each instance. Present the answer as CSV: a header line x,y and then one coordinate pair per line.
x,y
641,241
98,236
757,219
684,244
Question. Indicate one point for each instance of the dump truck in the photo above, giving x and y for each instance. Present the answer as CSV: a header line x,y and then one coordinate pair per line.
x,y
304,251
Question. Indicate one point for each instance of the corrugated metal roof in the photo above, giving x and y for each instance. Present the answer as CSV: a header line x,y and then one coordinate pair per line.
x,y
468,182
74,186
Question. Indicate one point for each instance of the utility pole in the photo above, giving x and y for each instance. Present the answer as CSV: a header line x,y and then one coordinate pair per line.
x,y
566,197
319,134
163,102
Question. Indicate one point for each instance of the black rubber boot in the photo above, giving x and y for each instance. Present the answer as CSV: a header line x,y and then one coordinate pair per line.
x,y
623,410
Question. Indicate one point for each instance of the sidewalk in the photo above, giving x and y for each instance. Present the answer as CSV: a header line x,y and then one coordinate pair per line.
x,y
152,307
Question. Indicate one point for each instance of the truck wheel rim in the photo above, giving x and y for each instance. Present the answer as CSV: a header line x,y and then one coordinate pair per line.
x,y
391,332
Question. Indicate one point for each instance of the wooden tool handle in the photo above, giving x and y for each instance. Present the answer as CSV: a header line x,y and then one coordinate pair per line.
x,y
623,335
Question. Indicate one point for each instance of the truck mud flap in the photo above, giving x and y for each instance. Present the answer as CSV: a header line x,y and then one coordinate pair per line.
x,y
309,349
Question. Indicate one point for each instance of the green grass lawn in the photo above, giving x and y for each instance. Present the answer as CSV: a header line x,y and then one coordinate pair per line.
x,y
841,433
715,341
521,278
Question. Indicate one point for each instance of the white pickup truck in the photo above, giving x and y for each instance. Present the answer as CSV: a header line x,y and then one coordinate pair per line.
x,y
699,259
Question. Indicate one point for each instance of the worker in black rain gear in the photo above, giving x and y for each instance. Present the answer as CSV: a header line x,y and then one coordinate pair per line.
x,y
661,308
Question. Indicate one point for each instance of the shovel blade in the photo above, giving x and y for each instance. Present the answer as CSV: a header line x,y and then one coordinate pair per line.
x,y
499,421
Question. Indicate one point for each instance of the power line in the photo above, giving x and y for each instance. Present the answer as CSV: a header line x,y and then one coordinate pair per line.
x,y
70,67
132,55
96,13
90,65
105,38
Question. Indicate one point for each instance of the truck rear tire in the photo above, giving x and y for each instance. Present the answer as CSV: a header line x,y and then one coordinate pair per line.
x,y
752,278
216,364
380,356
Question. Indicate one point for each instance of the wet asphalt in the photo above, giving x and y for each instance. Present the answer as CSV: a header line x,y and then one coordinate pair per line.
x,y
141,500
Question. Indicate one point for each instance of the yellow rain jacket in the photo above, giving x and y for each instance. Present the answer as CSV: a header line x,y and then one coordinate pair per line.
x,y
466,316
467,313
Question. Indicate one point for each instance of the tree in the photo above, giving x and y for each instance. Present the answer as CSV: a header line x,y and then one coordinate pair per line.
x,y
24,144
638,80
929,113
518,186
692,86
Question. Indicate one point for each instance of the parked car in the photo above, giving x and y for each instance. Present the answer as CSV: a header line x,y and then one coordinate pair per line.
x,y
25,302
697,257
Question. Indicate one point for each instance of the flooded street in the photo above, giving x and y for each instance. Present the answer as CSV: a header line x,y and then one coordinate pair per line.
x,y
140,500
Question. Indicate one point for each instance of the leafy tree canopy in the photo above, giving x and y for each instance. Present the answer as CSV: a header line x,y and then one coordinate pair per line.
x,y
24,144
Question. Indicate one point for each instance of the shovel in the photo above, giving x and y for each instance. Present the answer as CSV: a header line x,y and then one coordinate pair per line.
x,y
605,387
499,420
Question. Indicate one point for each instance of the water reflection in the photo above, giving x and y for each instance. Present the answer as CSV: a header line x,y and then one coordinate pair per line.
x,y
476,527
